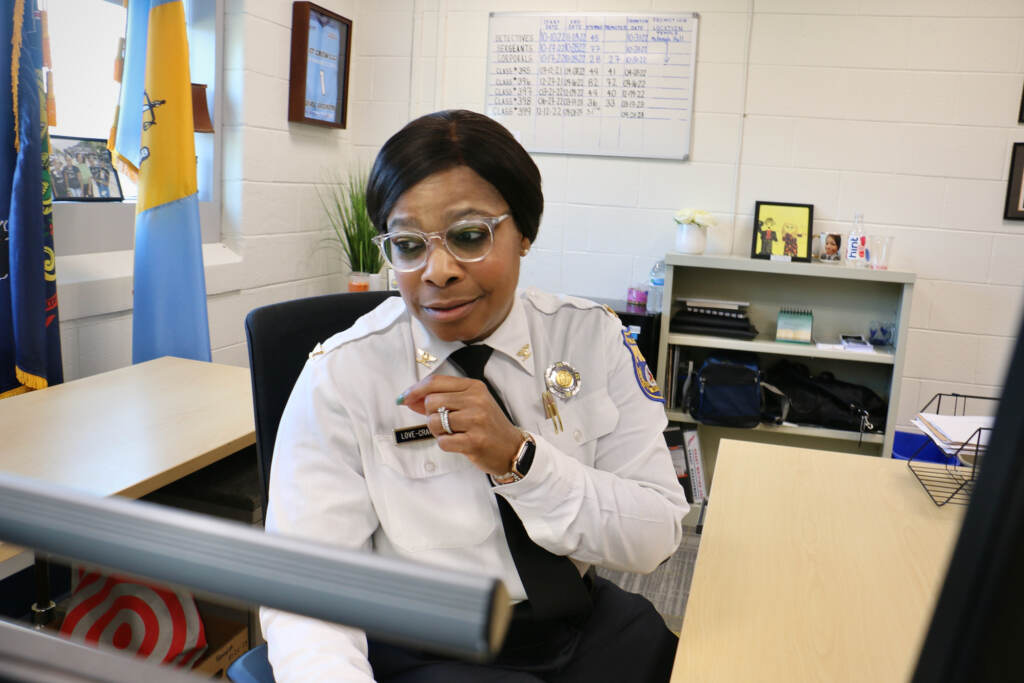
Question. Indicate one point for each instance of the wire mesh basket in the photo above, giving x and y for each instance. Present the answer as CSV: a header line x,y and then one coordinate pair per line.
x,y
951,479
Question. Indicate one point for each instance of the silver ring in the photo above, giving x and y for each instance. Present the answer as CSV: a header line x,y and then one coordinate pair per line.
x,y
443,412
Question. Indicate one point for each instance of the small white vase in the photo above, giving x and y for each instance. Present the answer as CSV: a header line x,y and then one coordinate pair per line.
x,y
691,238
719,240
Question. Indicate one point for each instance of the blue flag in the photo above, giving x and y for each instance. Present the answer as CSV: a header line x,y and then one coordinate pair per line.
x,y
153,137
29,326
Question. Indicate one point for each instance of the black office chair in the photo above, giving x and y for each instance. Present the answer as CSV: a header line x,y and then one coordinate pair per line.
x,y
280,337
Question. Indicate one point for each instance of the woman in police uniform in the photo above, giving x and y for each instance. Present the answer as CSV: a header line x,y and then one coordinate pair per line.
x,y
543,454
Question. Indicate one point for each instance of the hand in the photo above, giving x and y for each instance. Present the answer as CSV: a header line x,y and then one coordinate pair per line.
x,y
481,431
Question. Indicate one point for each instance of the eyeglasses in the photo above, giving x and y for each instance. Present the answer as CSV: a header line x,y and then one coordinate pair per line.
x,y
468,240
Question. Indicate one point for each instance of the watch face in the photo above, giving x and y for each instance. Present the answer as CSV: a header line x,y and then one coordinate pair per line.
x,y
524,461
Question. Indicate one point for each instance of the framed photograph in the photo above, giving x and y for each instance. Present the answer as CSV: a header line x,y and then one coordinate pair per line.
x,y
782,232
80,171
1014,209
831,248
318,82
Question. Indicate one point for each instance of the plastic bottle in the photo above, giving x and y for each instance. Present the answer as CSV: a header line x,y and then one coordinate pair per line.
x,y
856,243
655,289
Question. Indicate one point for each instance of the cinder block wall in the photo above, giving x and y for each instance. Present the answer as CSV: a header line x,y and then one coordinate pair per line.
x,y
905,111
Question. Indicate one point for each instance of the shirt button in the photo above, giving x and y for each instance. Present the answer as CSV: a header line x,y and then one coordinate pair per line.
x,y
578,435
429,467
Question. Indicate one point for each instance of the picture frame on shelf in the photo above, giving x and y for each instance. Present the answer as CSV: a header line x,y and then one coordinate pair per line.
x,y
1014,208
81,170
319,71
782,231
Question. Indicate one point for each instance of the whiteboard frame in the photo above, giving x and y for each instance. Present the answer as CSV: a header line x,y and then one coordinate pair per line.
x,y
693,78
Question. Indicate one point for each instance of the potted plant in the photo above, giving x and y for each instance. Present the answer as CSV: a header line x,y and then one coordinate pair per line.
x,y
345,204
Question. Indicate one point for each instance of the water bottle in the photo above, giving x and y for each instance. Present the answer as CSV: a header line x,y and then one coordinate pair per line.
x,y
856,243
656,287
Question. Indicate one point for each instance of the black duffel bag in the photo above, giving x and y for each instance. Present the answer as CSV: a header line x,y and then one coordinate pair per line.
x,y
825,401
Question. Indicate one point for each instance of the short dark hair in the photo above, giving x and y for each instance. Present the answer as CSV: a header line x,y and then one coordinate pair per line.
x,y
446,139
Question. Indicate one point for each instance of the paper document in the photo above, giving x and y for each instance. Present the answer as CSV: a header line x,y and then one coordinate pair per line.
x,y
966,453
958,429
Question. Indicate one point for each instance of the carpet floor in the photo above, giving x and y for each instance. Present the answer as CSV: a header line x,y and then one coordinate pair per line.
x,y
668,586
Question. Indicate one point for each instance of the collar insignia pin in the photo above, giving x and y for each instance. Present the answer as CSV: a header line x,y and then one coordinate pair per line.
x,y
425,358
524,353
562,380
318,350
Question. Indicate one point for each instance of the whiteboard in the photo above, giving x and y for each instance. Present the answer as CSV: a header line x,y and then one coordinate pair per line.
x,y
612,84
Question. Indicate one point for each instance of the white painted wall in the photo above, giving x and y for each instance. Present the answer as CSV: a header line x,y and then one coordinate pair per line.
x,y
904,110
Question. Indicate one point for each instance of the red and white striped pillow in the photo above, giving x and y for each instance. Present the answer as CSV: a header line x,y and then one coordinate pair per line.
x,y
153,623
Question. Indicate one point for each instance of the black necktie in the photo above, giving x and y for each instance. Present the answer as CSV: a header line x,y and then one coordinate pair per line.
x,y
552,582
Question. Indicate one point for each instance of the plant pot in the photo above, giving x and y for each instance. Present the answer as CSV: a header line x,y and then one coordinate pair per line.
x,y
378,282
359,282
719,240
691,238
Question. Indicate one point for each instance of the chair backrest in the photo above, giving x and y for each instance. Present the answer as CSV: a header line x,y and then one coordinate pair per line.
x,y
280,337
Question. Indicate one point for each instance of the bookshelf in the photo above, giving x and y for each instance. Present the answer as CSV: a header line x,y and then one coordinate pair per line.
x,y
844,301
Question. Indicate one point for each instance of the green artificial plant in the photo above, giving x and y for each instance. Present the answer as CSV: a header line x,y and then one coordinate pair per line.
x,y
345,204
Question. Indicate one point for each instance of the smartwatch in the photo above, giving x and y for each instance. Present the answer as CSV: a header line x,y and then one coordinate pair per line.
x,y
521,463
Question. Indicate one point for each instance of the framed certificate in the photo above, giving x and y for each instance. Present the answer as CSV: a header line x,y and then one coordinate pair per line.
x,y
318,83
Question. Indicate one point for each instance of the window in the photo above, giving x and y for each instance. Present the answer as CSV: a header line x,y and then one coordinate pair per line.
x,y
84,41
84,38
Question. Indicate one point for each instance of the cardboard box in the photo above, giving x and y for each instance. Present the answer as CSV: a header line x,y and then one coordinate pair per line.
x,y
227,640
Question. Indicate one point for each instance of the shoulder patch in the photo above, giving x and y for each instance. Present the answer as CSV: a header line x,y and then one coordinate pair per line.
x,y
644,379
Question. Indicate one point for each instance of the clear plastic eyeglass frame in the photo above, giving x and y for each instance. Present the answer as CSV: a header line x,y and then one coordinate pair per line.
x,y
491,222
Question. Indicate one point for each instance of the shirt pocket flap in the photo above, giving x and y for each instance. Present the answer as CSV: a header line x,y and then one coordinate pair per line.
x,y
584,419
418,459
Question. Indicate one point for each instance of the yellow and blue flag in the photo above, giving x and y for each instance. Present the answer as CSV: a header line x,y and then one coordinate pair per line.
x,y
153,139
29,326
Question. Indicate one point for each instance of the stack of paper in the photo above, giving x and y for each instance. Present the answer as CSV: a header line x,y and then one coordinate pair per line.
x,y
961,435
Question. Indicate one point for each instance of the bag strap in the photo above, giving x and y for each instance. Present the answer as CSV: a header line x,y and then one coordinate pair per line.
x,y
783,400
686,385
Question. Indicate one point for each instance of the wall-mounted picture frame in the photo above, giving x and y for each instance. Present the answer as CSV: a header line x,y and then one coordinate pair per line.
x,y
782,231
80,170
318,79
1020,116
1014,209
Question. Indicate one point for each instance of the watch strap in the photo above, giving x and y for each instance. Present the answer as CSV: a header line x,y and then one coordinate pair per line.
x,y
520,463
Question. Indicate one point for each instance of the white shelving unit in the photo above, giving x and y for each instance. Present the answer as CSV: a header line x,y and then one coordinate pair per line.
x,y
843,300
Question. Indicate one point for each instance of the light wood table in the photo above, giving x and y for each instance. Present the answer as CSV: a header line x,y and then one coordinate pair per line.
x,y
129,431
813,566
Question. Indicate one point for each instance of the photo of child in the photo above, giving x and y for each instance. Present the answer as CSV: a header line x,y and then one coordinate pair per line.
x,y
831,250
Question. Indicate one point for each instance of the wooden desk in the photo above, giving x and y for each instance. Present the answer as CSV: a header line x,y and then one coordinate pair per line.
x,y
129,431
813,566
